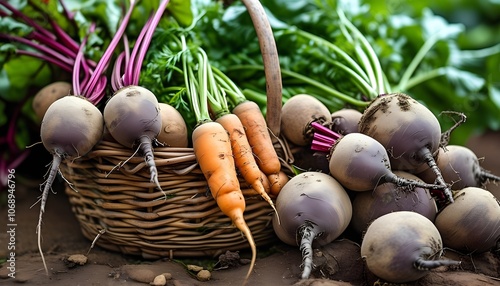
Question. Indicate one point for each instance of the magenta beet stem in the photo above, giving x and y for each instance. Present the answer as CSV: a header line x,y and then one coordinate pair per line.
x,y
319,128
323,138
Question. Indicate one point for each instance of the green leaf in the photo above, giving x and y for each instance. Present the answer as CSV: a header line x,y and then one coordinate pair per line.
x,y
21,73
181,11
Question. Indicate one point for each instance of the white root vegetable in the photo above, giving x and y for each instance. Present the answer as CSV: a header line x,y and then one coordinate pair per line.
x,y
174,132
387,198
472,223
71,127
132,117
402,247
409,132
313,209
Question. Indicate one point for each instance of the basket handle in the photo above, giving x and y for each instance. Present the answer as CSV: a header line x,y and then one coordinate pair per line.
x,y
271,64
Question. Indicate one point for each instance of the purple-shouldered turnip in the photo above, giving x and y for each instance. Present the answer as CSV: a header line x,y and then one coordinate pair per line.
x,y
132,114
472,223
460,168
70,128
298,113
402,247
345,121
408,130
360,163
132,117
388,197
313,209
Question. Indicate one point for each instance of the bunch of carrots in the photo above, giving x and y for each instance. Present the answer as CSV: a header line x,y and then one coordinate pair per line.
x,y
225,142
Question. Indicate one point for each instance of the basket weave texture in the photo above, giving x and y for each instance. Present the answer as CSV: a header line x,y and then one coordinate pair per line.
x,y
110,192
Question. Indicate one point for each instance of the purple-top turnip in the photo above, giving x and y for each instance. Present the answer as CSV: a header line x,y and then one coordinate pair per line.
x,y
70,128
388,197
460,168
472,223
47,95
345,121
408,130
360,163
132,117
72,125
402,247
132,114
313,209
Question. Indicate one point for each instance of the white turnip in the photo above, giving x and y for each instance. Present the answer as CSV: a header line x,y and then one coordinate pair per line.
x,y
472,223
298,113
388,197
460,168
402,247
174,132
47,95
132,114
132,117
408,130
314,209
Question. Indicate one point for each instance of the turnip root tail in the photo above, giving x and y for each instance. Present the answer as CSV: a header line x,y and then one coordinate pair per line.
x,y
147,149
485,176
404,182
54,168
429,159
308,232
424,264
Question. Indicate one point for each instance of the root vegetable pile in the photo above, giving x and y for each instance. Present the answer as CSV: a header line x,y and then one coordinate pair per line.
x,y
358,156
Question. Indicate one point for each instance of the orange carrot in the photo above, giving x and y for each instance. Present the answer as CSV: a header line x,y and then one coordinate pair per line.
x,y
279,180
212,148
212,145
243,156
255,126
258,136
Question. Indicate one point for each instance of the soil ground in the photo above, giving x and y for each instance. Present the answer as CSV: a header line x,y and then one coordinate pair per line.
x,y
336,264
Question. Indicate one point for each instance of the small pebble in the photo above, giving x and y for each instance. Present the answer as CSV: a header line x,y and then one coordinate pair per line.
x,y
79,259
159,280
204,275
194,268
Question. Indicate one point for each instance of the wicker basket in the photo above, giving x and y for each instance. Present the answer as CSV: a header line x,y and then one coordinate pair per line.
x,y
122,209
